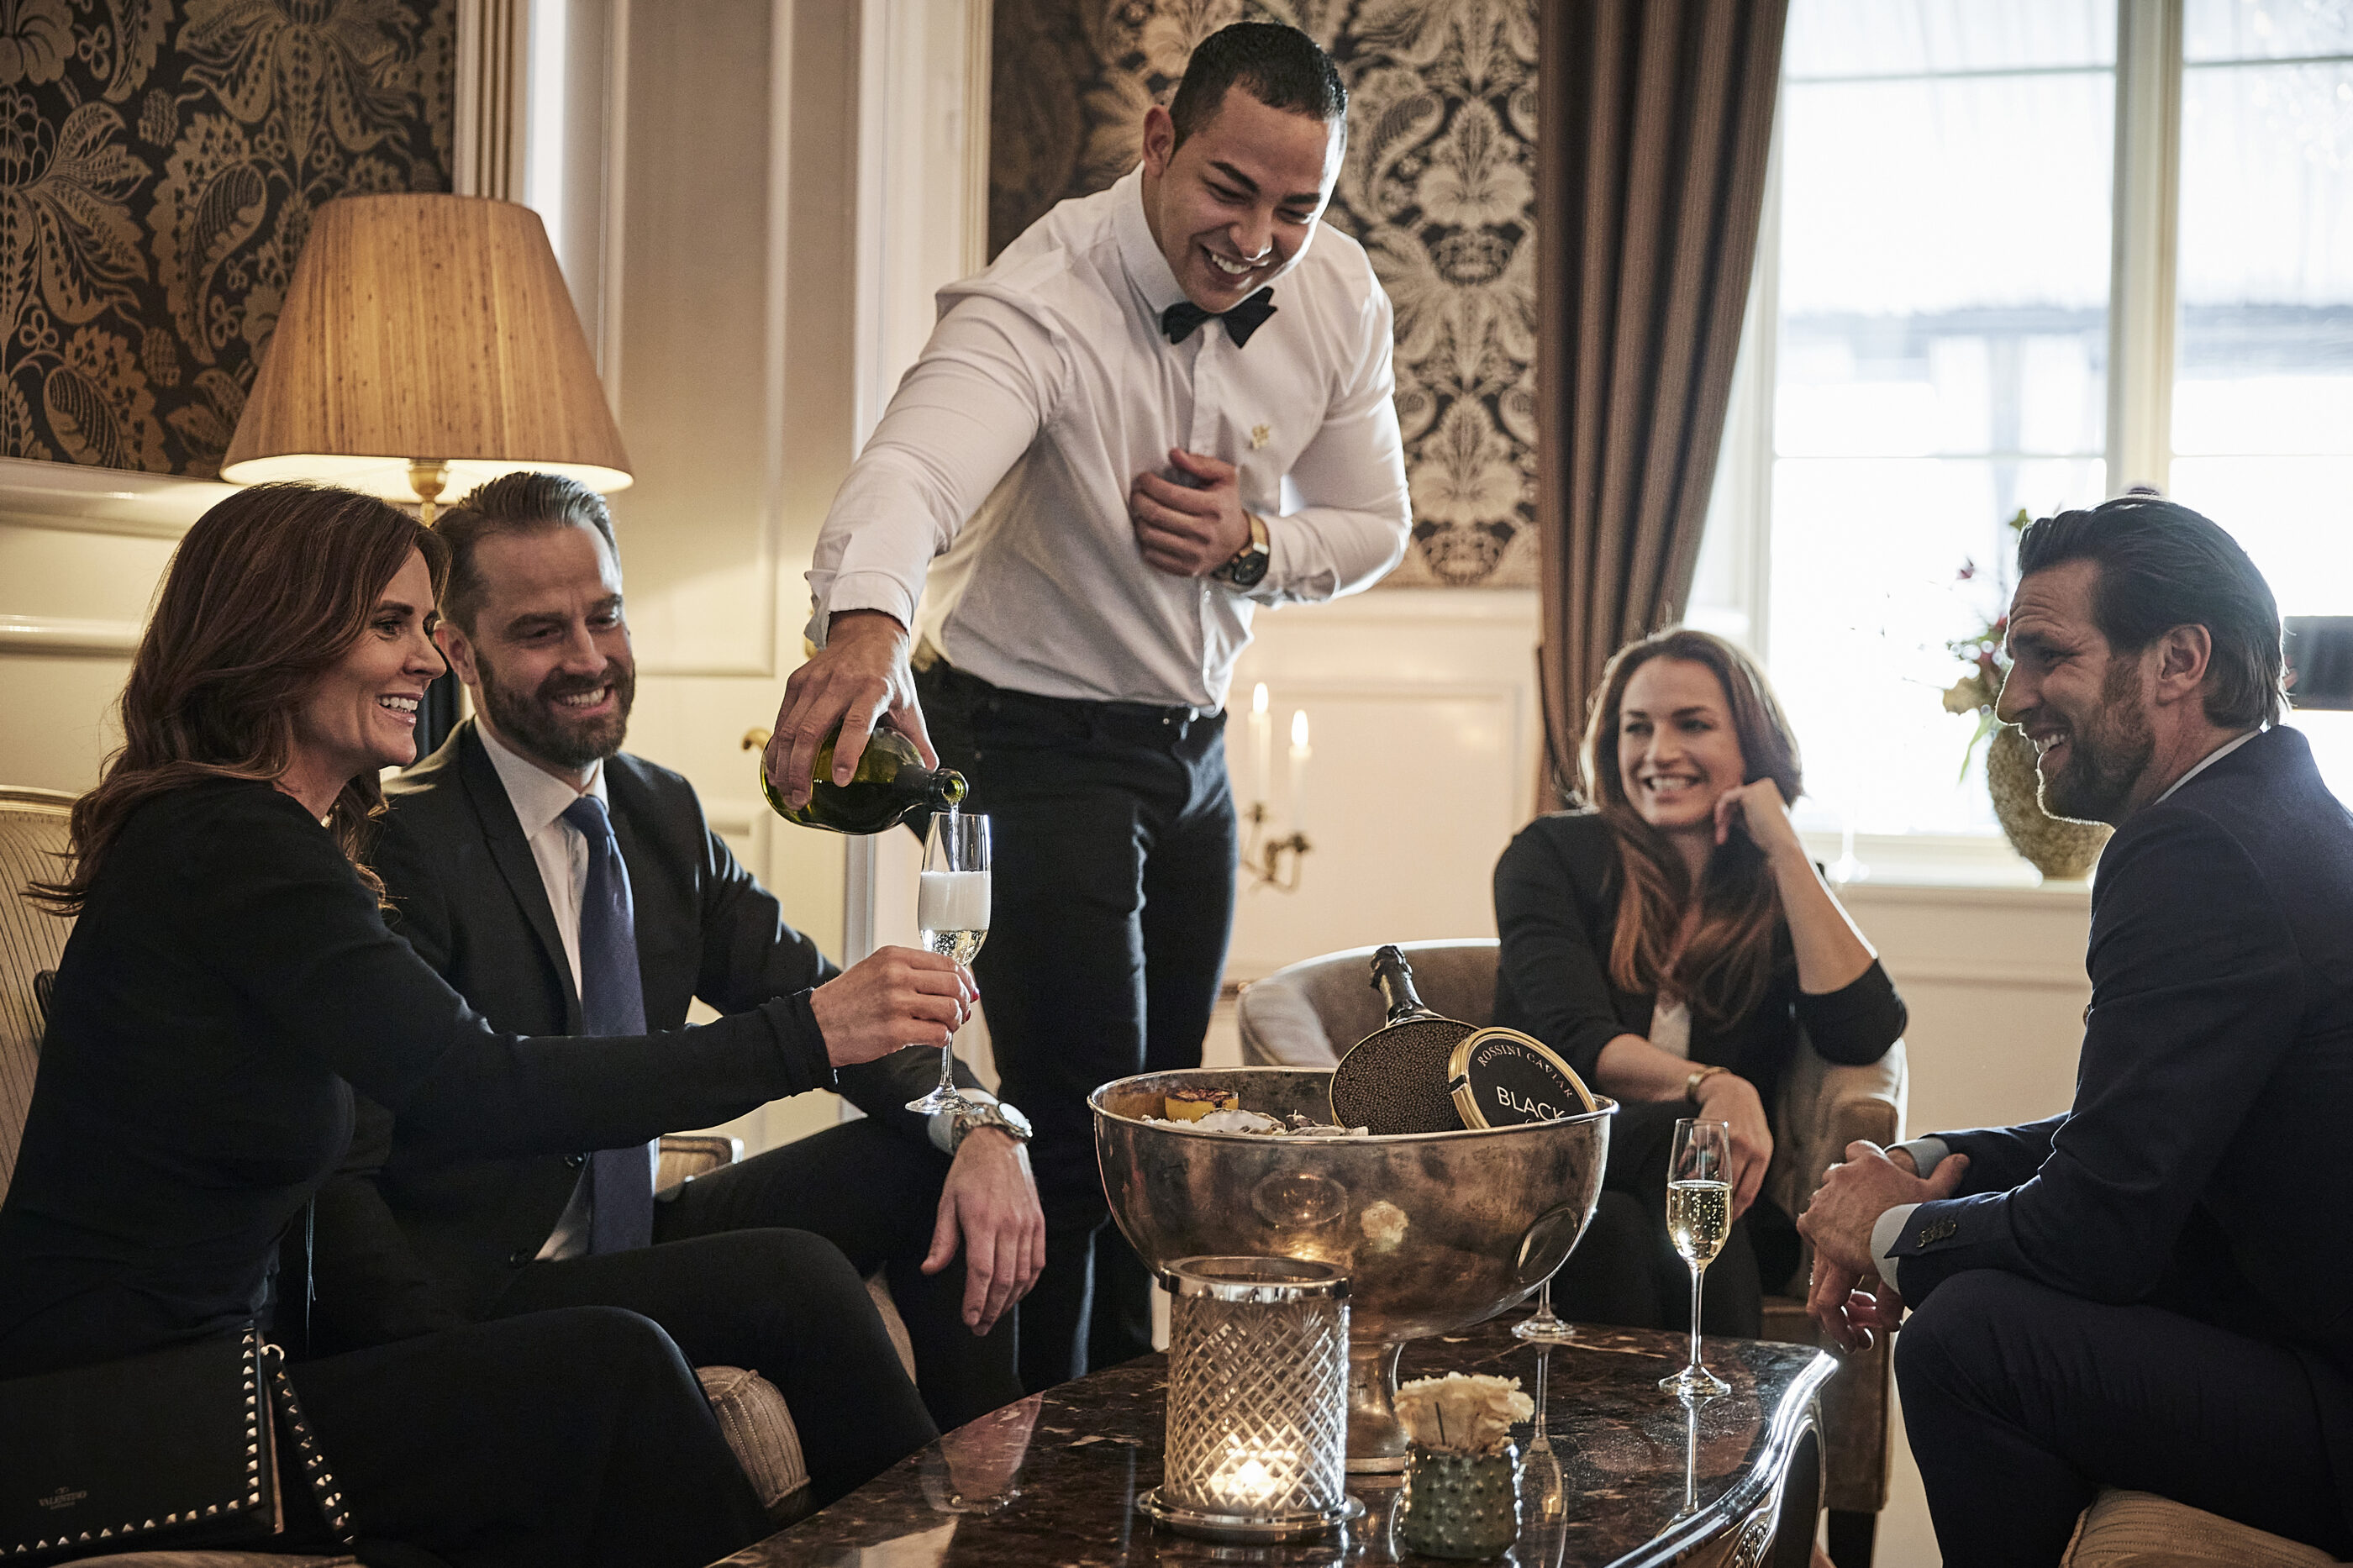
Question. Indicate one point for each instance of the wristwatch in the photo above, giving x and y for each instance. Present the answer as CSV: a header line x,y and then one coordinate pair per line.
x,y
1248,568
975,1113
1699,1075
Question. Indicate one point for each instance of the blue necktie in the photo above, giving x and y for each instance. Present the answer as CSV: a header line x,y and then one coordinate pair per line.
x,y
612,1002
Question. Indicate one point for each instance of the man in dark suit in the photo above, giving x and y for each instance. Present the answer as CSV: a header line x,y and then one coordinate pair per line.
x,y
2149,1292
486,856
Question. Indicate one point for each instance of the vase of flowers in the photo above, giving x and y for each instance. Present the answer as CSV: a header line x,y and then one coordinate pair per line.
x,y
2061,850
1462,1472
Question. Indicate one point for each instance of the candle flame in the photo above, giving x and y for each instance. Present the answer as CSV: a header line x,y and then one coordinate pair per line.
x,y
1299,729
1252,1480
1258,697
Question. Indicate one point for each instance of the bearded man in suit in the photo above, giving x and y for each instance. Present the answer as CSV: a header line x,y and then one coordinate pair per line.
x,y
2148,1291
486,854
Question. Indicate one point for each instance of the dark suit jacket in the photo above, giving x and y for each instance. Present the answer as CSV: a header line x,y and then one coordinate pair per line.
x,y
1557,911
2201,1167
228,984
415,1234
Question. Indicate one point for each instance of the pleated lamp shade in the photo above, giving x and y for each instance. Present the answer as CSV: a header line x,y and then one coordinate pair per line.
x,y
427,345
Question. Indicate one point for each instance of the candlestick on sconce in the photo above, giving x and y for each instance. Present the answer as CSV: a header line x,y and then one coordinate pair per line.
x,y
1263,858
1258,1401
1261,740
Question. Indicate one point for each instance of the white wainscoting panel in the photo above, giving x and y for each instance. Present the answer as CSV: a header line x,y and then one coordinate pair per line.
x,y
1423,720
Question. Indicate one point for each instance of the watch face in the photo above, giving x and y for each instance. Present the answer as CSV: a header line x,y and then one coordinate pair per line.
x,y
1013,1118
1249,570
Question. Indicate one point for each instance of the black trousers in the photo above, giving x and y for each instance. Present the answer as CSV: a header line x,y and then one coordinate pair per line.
x,y
2021,1402
785,1303
1626,1272
875,1194
1113,865
547,1441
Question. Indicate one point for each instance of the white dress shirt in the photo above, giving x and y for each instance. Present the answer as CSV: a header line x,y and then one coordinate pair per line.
x,y
1928,1152
540,800
1047,387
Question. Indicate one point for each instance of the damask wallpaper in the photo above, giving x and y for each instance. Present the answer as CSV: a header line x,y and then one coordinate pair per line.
x,y
160,161
1438,186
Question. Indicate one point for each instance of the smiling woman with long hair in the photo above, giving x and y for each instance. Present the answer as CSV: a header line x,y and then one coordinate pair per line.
x,y
230,981
1674,941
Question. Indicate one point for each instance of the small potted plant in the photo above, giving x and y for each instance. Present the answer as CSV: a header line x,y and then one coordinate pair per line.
x,y
1462,1472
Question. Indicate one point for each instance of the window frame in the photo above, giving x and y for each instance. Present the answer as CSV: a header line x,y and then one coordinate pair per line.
x,y
1732,592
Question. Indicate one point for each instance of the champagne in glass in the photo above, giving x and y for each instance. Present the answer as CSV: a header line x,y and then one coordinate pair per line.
x,y
952,913
1699,1216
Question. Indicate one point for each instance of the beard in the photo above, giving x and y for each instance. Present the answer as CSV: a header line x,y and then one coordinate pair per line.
x,y
2110,753
536,722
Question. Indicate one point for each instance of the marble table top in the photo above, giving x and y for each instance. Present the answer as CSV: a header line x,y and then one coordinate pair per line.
x,y
1640,1478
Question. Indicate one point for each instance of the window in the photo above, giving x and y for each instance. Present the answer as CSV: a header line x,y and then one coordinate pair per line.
x,y
1945,327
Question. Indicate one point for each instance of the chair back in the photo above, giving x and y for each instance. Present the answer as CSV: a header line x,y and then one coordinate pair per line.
x,y
1308,1014
32,824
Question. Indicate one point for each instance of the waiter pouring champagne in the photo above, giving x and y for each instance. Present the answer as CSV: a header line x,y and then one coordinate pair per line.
x,y
1161,406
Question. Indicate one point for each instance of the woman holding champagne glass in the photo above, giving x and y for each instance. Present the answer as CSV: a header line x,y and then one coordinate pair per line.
x,y
1672,941
230,982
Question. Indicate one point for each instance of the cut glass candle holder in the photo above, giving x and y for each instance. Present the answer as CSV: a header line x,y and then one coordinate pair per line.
x,y
1258,1401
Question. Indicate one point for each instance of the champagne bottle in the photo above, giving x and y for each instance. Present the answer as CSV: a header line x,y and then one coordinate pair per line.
x,y
1393,978
889,786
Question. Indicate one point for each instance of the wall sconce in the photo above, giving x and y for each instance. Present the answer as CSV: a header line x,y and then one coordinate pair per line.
x,y
1258,1401
1263,858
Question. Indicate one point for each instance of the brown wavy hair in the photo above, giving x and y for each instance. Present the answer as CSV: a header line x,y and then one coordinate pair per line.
x,y
266,594
1723,970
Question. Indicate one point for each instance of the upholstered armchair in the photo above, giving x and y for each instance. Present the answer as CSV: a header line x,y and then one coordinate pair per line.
x,y
33,823
1305,1014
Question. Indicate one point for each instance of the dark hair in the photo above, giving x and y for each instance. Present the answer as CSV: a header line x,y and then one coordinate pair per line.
x,y
1723,969
266,594
2161,566
511,503
1279,66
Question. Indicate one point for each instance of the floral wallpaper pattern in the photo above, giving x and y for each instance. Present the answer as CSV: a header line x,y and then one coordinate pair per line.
x,y
160,161
1440,188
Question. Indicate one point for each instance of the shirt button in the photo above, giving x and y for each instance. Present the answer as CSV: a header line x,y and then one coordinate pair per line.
x,y
518,1257
576,1160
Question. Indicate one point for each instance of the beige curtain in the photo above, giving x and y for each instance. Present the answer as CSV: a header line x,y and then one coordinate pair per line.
x,y
1653,123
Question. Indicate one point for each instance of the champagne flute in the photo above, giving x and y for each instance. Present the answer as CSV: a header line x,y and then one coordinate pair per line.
x,y
1543,1326
1699,1216
951,912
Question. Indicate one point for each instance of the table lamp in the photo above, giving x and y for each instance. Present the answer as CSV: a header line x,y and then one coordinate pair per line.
x,y
428,344
1258,1401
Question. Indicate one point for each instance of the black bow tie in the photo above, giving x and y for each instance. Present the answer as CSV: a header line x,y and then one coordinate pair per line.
x,y
1183,318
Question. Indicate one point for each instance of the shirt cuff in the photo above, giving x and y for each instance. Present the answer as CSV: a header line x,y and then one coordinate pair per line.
x,y
942,1124
1883,1236
860,590
1927,1154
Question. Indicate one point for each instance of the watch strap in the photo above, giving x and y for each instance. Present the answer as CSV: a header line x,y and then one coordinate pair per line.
x,y
1700,1075
1246,568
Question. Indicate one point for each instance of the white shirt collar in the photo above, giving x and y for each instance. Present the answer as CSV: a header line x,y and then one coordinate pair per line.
x,y
2216,755
539,797
1147,266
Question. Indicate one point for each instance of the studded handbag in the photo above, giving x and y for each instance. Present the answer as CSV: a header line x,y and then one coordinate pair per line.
x,y
179,1447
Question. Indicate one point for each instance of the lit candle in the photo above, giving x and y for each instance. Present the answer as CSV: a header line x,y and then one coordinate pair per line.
x,y
1299,753
1256,1479
1262,734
